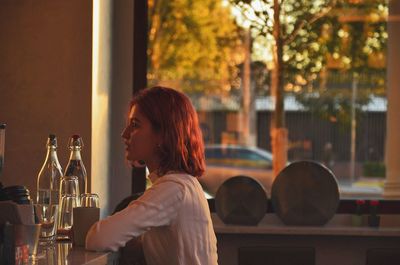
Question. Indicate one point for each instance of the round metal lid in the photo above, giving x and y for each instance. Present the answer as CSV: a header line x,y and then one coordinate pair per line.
x,y
241,200
305,193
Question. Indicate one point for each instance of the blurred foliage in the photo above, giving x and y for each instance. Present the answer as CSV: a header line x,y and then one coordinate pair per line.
x,y
332,100
196,46
374,169
351,38
193,45
355,47
260,78
346,35
323,40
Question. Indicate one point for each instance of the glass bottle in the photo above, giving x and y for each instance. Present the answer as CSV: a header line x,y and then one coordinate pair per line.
x,y
48,181
75,165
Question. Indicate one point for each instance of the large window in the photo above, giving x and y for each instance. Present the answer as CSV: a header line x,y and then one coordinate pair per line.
x,y
332,60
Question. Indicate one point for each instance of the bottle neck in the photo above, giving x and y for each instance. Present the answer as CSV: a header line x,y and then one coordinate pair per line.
x,y
52,153
75,154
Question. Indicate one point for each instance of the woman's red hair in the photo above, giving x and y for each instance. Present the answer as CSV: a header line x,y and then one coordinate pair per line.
x,y
173,116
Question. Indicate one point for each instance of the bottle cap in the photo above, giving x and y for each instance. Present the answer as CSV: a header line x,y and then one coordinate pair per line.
x,y
75,141
52,140
2,125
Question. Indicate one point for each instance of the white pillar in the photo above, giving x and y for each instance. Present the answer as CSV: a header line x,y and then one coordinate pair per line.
x,y
111,93
101,90
392,155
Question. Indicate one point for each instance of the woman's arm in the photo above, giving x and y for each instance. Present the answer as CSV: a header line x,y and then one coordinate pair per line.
x,y
157,207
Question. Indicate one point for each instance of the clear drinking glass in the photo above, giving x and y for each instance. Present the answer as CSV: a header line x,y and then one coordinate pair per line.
x,y
47,215
90,200
48,253
67,203
69,186
63,249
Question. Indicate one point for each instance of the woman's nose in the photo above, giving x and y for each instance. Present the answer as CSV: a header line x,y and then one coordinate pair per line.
x,y
125,133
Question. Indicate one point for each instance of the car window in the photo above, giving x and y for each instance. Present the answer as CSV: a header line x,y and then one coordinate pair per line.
x,y
236,157
253,159
246,154
212,153
219,153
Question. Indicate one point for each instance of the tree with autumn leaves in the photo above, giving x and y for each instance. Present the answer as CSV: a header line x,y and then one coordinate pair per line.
x,y
284,21
193,45
308,38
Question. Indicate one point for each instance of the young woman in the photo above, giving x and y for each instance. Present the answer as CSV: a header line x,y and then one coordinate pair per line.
x,y
172,217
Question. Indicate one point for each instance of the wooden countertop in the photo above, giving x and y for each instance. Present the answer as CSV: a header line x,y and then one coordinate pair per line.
x,y
63,253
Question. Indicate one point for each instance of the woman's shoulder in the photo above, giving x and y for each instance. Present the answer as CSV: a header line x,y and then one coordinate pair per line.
x,y
182,178
177,176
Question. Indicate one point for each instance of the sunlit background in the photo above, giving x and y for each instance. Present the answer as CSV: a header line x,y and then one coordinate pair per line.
x,y
221,54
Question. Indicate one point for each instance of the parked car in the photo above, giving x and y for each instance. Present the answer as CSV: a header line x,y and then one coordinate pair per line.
x,y
226,161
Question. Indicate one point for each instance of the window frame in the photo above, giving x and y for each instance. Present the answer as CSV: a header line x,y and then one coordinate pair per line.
x,y
387,206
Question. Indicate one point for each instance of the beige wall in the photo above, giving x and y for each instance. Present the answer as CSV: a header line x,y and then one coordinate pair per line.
x,y
45,82
47,85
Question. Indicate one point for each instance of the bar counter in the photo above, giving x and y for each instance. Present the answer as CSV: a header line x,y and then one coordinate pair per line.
x,y
63,253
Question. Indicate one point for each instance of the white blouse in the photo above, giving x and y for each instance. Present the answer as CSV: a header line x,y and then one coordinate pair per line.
x,y
174,218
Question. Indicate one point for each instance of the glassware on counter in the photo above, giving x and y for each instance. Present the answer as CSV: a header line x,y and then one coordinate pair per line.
x,y
47,215
48,180
67,204
63,250
20,243
89,200
75,166
69,194
69,185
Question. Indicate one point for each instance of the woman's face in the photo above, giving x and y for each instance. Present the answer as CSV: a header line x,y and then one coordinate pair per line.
x,y
140,139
